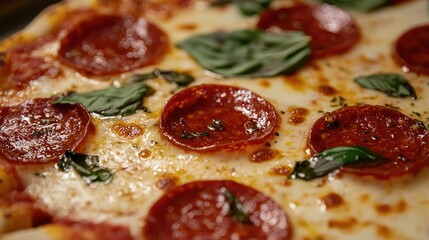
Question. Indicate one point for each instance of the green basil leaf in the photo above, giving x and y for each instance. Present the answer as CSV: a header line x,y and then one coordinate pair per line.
x,y
235,209
332,159
87,166
358,5
112,101
249,53
246,7
180,79
393,85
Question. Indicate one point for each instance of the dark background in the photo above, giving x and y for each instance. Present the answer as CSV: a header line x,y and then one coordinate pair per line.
x,y
15,14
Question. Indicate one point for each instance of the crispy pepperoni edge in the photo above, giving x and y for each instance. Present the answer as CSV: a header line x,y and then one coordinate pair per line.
x,y
93,19
381,171
89,131
405,40
309,10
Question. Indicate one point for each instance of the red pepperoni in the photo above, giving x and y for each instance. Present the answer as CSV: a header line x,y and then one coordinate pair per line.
x,y
201,210
331,29
38,132
21,66
105,45
412,49
82,230
388,132
215,117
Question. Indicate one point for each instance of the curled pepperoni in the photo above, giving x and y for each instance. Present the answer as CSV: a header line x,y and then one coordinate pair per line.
x,y
403,141
105,45
412,49
205,210
38,132
331,29
215,117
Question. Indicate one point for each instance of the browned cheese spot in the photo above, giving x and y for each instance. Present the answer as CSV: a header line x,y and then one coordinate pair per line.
x,y
332,200
399,207
344,225
280,171
364,198
294,81
298,115
384,232
145,153
127,131
265,83
383,208
326,90
265,154
187,26
167,183
288,183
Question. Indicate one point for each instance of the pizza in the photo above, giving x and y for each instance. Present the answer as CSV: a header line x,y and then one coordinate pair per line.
x,y
216,119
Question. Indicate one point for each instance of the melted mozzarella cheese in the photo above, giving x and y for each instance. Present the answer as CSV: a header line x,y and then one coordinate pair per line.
x,y
368,209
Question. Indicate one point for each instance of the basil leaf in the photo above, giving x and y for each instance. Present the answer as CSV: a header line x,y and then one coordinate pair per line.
x,y
112,101
235,209
180,79
393,85
331,159
358,5
246,7
86,166
249,53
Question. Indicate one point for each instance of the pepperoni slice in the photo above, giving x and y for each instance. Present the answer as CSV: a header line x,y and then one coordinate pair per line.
x,y
88,230
412,49
18,66
105,45
205,210
332,30
215,117
388,132
38,132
